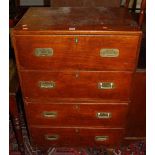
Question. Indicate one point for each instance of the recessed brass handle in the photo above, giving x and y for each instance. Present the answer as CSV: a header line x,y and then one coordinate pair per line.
x,y
101,138
103,115
46,84
50,114
43,52
52,137
106,85
109,52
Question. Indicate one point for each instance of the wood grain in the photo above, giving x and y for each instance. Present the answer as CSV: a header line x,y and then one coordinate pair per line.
x,y
76,85
75,136
57,20
76,114
84,55
136,124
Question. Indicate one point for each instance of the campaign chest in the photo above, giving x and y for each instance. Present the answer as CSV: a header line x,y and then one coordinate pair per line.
x,y
76,67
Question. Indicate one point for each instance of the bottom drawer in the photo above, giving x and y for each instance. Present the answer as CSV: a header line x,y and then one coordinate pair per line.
x,y
79,137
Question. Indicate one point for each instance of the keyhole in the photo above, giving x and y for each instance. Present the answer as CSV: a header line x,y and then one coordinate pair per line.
x,y
76,75
76,107
76,40
77,130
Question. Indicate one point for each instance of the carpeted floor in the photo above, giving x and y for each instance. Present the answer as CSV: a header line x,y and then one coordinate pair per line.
x,y
138,148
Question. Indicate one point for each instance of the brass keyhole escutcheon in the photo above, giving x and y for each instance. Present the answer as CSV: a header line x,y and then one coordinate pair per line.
x,y
77,130
76,75
76,40
76,107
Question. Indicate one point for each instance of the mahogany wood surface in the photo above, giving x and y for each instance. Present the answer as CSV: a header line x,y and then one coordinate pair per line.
x,y
76,85
84,55
75,136
101,3
69,20
136,124
77,114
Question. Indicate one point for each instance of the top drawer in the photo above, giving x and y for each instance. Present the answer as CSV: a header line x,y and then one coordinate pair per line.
x,y
79,52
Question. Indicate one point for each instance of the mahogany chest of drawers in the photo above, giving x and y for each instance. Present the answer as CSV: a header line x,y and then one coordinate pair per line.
x,y
76,67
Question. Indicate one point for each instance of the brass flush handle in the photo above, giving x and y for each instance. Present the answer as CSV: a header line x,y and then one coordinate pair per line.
x,y
103,115
46,84
101,138
52,137
106,85
109,52
43,52
50,114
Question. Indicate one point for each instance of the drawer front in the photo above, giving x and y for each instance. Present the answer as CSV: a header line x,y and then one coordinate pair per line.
x,y
103,52
74,114
94,85
47,137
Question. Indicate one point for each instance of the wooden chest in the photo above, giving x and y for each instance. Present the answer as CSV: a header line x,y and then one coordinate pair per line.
x,y
76,67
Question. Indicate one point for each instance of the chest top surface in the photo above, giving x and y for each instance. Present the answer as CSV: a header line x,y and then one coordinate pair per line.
x,y
67,20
